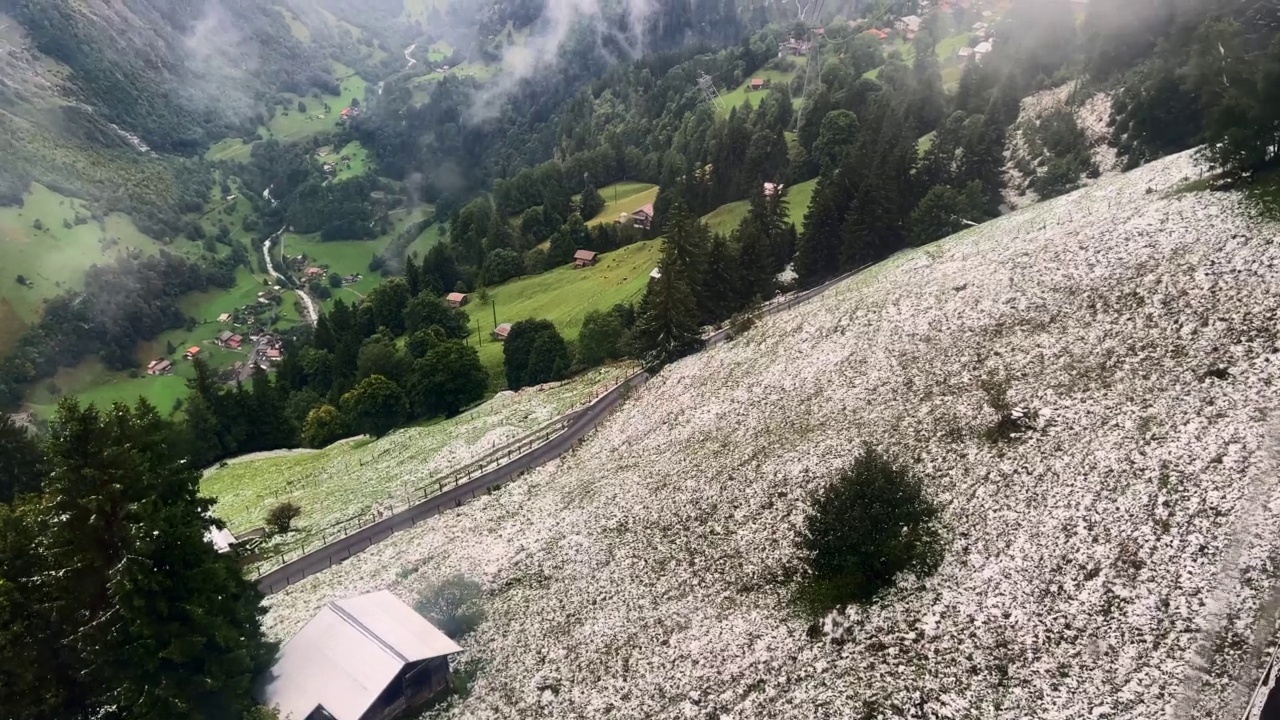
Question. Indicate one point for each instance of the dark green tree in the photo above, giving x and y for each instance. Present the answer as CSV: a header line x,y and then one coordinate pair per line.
x,y
518,350
374,407
426,311
157,623
387,304
448,379
600,339
667,324
548,360
323,427
864,529
21,461
592,202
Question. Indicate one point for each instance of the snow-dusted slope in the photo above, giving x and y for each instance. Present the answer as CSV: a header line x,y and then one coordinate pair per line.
x,y
1112,565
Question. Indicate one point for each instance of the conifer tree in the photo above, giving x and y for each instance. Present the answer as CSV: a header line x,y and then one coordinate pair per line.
x,y
21,462
158,624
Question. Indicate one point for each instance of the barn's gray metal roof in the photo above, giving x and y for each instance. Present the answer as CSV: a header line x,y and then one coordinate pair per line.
x,y
348,654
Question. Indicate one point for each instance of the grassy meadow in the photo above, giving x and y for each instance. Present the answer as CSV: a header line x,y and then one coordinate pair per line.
x,y
350,478
55,257
744,93
564,295
289,125
624,197
726,218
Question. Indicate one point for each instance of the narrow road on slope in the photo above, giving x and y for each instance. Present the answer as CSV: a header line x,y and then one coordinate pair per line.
x,y
307,303
407,56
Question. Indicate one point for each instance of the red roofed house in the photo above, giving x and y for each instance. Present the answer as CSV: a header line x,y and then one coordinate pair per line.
x,y
457,299
773,189
643,217
234,342
879,34
583,258
502,331
274,354
759,83
191,352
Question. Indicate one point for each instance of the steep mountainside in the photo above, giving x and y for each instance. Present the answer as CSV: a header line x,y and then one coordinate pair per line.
x,y
1115,563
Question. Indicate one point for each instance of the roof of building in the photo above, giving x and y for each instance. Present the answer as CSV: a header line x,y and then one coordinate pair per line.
x,y
224,335
503,329
220,538
983,47
647,210
456,297
193,350
757,82
585,255
347,655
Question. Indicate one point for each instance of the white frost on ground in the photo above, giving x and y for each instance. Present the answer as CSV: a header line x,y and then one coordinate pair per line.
x,y
1113,565
1094,118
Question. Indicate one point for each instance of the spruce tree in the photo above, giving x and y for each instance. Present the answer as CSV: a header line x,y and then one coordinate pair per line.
x,y
667,326
160,625
21,461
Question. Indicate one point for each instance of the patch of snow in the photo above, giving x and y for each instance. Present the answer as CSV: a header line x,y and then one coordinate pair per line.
x,y
1117,562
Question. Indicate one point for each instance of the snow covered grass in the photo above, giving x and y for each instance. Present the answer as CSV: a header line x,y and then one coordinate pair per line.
x,y
1117,563
348,479
1094,119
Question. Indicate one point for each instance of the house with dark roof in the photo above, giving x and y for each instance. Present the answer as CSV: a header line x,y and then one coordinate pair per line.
x,y
585,258
369,657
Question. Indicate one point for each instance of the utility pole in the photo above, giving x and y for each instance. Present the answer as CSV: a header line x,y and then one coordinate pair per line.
x,y
494,304
479,339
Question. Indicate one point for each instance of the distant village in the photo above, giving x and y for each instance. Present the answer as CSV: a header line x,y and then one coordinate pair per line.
x,y
244,330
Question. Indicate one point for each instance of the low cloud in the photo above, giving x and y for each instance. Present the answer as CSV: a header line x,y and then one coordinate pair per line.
x,y
540,52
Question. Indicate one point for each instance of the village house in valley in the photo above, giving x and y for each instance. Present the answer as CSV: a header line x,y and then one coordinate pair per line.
x,y
457,299
369,657
159,366
585,258
502,331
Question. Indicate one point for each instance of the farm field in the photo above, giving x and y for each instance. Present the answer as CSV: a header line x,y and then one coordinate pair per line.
x,y
744,93
357,165
56,257
726,218
347,257
289,125
564,295
351,478
624,197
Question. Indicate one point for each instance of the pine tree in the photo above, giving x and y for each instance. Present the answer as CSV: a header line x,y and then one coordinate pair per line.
x,y
667,326
21,461
413,274
818,251
723,282
160,624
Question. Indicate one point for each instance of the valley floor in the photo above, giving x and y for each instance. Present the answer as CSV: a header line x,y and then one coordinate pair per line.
x,y
1118,563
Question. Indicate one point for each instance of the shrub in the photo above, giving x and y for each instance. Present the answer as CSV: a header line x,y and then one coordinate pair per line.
x,y
1010,422
866,528
280,518
452,605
